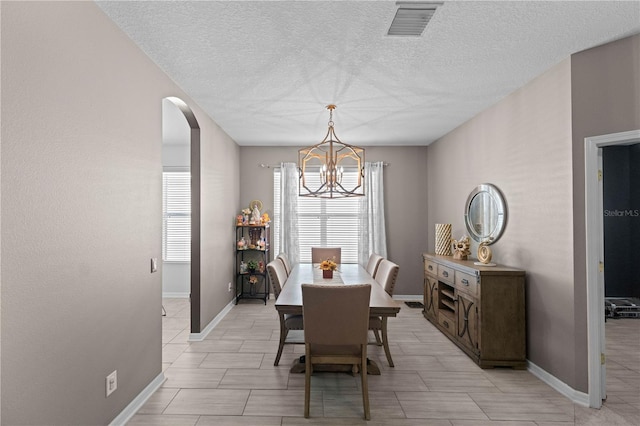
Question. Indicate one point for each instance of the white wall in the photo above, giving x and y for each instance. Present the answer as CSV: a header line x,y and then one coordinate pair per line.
x,y
175,155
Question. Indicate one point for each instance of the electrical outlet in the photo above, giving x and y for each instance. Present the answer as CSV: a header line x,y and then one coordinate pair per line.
x,y
230,287
112,382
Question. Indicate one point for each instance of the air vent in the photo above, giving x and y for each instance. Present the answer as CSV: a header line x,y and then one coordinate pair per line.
x,y
412,18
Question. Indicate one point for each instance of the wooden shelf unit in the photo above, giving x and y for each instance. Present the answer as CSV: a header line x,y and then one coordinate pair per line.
x,y
480,308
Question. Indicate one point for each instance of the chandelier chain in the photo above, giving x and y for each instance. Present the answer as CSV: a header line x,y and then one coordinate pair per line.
x,y
331,108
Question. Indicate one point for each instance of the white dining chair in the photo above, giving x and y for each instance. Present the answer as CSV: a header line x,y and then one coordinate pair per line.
x,y
386,276
285,261
288,322
318,254
374,262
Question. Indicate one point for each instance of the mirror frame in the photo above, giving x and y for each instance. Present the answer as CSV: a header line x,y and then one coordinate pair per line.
x,y
501,206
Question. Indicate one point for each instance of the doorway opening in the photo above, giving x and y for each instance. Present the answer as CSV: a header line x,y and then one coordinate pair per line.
x,y
181,220
595,257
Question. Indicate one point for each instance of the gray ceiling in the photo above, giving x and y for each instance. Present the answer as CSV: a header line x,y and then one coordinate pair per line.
x,y
265,70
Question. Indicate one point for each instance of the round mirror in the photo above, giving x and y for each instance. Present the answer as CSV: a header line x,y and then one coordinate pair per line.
x,y
485,215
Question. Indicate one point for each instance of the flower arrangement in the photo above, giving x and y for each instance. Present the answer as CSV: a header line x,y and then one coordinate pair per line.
x,y
328,265
246,211
252,265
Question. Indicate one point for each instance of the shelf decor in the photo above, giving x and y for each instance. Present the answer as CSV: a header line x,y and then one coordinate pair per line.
x,y
461,248
254,236
252,266
252,253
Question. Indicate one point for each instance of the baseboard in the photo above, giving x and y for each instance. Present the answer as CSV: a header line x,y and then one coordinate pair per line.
x,y
198,337
408,297
175,295
137,402
577,397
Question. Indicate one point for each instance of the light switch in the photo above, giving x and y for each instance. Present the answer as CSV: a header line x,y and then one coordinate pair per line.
x,y
154,264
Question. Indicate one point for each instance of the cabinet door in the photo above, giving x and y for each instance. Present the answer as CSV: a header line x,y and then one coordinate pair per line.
x,y
431,297
467,324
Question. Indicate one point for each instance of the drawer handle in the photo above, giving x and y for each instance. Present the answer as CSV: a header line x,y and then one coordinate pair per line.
x,y
446,324
465,281
445,274
430,268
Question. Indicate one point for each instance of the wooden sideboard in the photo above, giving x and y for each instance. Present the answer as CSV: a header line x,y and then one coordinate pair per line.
x,y
480,308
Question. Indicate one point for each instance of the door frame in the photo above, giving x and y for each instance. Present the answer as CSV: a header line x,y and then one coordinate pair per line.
x,y
594,257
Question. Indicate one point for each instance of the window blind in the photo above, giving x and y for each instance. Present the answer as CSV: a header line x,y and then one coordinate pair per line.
x,y
323,222
176,216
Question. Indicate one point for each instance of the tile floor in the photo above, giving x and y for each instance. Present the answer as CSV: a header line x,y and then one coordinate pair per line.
x,y
229,379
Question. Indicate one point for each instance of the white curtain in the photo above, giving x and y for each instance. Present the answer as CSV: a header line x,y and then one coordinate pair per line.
x,y
373,238
289,177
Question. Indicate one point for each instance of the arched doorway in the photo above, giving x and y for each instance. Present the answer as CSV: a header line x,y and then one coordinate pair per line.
x,y
190,137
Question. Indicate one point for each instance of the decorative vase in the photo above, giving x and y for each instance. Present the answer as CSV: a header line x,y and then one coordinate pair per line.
x,y
443,239
327,273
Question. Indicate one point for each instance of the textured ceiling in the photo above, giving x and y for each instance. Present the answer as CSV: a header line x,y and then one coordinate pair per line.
x,y
265,70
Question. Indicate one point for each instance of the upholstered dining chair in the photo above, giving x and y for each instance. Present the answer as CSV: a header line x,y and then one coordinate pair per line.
x,y
386,276
278,277
338,338
318,254
374,262
285,261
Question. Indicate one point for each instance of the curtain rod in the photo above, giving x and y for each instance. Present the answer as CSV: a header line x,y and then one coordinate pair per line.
x,y
271,166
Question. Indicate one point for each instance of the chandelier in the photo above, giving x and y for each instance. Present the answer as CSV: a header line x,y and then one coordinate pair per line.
x,y
331,169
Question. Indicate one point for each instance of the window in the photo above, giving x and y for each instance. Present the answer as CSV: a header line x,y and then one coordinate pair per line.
x,y
322,222
176,216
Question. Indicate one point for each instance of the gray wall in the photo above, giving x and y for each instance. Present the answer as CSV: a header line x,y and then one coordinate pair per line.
x,y
81,214
405,184
605,98
523,146
220,203
531,145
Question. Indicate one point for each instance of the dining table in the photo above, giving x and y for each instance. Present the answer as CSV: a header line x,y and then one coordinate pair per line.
x,y
381,304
